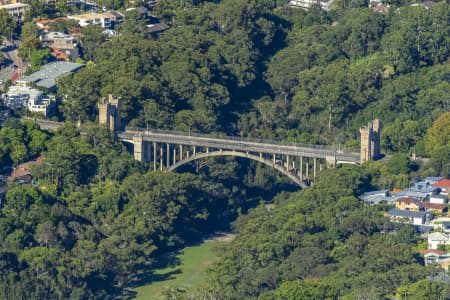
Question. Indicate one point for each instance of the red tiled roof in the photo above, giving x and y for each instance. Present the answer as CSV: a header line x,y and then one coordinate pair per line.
x,y
428,251
433,205
443,183
408,200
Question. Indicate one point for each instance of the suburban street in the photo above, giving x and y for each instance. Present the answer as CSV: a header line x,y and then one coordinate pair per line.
x,y
15,68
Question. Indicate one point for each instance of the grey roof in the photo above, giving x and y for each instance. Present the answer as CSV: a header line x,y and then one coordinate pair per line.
x,y
432,179
423,229
47,75
375,192
446,225
439,197
158,27
407,213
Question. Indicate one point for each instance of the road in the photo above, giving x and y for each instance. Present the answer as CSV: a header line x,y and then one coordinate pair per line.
x,y
225,143
11,53
241,144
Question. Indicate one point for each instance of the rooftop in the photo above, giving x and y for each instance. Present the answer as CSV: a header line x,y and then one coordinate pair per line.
x,y
407,213
90,15
46,77
375,192
443,183
438,236
434,205
13,5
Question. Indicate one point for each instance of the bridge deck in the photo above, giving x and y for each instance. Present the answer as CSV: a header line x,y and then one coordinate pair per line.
x,y
238,144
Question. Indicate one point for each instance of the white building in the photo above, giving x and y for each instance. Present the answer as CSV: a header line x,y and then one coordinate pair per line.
x,y
438,199
102,20
438,238
325,4
16,10
22,96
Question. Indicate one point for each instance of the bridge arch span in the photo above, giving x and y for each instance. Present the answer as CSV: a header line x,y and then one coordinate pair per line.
x,y
267,162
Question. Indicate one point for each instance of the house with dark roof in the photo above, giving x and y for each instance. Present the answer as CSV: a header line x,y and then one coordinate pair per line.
x,y
411,217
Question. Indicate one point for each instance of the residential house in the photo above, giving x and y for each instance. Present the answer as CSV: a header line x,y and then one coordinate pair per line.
x,y
157,29
438,199
84,20
436,208
407,216
438,238
305,4
443,185
408,203
23,96
432,256
432,180
16,10
63,46
115,17
6,2
377,197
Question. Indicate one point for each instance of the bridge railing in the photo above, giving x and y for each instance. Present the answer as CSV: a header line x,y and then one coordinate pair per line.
x,y
336,148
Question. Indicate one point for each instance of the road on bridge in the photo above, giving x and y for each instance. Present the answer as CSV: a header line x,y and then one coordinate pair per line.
x,y
238,144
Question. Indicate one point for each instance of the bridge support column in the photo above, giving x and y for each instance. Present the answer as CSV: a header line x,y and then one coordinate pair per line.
x,y
161,155
307,170
260,155
331,161
138,142
147,155
301,168
154,156
287,162
174,156
207,150
273,159
168,156
193,150
181,152
315,168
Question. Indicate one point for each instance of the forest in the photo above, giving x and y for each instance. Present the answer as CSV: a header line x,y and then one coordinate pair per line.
x,y
94,220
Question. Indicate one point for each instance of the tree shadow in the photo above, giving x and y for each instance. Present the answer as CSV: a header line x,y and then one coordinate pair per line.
x,y
165,261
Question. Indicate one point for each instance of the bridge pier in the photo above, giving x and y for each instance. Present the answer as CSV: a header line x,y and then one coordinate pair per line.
x,y
301,168
161,155
330,160
168,156
314,167
174,155
154,156
138,147
307,170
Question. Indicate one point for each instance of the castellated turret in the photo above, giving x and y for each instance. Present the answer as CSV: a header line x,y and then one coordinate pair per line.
x,y
109,113
370,140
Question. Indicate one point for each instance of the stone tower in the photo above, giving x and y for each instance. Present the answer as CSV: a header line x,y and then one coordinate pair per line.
x,y
109,113
370,140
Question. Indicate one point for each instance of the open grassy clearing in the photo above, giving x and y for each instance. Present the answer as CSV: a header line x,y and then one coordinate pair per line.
x,y
189,271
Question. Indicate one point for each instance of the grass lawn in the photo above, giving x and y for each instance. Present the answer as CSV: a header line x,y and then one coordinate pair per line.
x,y
189,272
